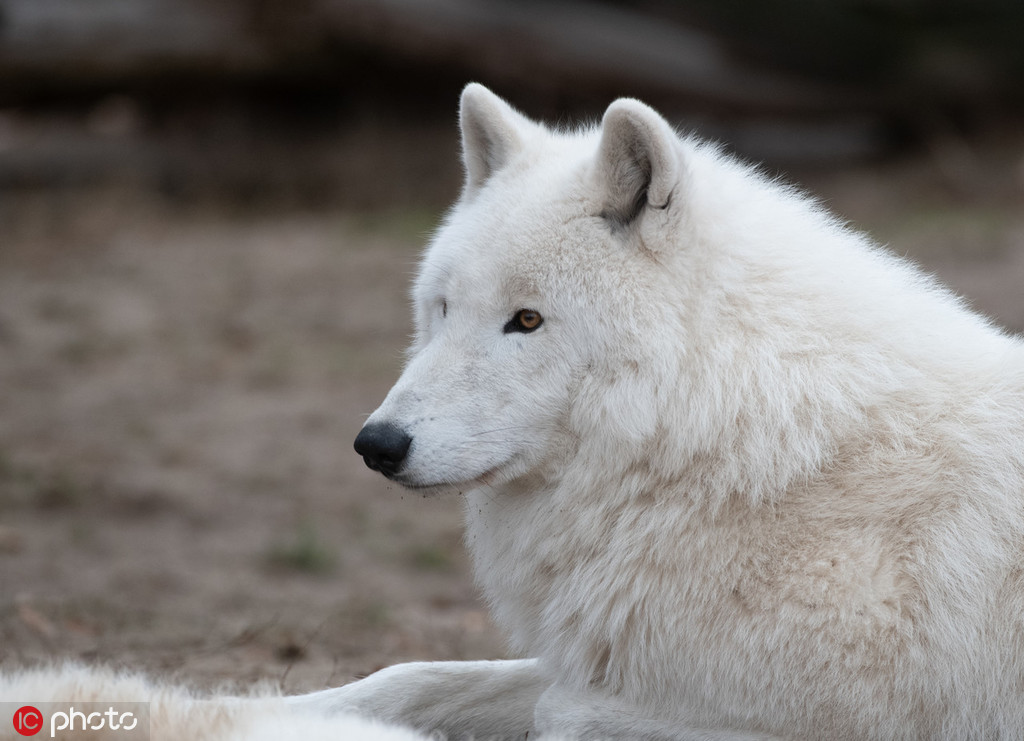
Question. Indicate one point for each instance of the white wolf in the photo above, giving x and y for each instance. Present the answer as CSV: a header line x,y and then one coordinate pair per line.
x,y
729,469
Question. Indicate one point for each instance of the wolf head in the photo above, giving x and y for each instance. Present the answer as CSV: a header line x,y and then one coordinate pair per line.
x,y
531,306
624,301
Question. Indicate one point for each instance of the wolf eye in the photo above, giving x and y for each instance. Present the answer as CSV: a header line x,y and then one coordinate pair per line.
x,y
444,308
525,320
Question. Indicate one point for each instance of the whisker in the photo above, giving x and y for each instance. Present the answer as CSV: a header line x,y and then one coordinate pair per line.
x,y
492,442
501,429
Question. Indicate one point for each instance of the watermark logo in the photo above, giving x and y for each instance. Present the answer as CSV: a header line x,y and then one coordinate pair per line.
x,y
121,720
28,721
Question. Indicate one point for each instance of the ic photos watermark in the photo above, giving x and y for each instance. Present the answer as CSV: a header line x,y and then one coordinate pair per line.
x,y
81,720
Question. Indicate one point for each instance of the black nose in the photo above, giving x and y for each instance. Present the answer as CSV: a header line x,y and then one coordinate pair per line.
x,y
383,447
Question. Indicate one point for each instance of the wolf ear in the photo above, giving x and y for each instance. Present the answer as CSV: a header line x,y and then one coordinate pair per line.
x,y
491,133
637,161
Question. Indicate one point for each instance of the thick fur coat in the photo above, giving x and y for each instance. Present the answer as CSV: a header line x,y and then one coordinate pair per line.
x,y
751,473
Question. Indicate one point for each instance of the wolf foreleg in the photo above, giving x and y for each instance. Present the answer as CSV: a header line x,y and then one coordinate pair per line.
x,y
457,699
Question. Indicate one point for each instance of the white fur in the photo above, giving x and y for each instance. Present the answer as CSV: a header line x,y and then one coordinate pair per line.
x,y
752,475
176,713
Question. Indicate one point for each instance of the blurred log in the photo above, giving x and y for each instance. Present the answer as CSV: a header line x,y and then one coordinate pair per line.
x,y
715,53
584,48
578,46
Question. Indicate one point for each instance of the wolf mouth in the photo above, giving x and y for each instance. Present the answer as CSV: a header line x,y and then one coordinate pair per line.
x,y
484,479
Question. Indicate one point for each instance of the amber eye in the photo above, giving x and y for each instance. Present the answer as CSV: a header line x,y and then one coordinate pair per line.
x,y
525,320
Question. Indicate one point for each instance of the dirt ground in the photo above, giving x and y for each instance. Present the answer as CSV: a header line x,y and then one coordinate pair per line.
x,y
180,387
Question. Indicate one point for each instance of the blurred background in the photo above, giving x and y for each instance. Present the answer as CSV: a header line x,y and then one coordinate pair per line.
x,y
210,211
